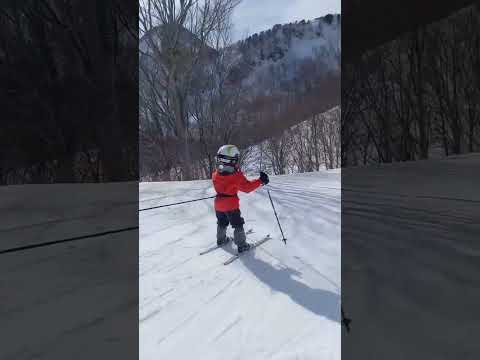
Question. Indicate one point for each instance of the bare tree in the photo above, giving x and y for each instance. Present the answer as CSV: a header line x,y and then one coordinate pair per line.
x,y
216,106
177,35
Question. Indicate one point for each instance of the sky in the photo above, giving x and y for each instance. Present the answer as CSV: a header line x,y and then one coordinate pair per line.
x,y
253,16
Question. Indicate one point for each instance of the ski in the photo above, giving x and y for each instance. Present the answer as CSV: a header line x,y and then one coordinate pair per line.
x,y
209,250
215,247
253,246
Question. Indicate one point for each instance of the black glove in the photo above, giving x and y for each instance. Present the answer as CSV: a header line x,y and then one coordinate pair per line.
x,y
264,178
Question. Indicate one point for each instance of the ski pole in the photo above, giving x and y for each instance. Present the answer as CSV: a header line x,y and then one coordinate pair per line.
x,y
278,221
177,203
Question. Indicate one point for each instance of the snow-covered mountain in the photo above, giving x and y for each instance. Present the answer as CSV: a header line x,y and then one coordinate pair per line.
x,y
287,56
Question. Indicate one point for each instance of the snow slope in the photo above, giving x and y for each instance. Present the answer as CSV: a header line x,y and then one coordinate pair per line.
x,y
277,302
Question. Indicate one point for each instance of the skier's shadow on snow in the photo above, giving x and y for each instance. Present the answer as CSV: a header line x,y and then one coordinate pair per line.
x,y
318,301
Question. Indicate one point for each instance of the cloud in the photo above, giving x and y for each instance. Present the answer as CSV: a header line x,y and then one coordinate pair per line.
x,y
253,16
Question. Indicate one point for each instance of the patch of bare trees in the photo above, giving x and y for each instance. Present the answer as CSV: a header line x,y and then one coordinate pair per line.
x,y
312,145
415,95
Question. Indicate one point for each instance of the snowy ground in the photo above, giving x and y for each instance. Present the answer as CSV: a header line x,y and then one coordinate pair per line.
x,y
278,302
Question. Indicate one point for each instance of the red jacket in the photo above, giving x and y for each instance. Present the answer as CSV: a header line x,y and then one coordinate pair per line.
x,y
231,184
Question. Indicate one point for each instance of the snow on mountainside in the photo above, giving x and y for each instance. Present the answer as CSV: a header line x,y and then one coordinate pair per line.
x,y
288,54
295,41
277,302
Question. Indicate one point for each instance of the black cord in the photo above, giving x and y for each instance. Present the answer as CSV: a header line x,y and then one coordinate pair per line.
x,y
178,203
49,243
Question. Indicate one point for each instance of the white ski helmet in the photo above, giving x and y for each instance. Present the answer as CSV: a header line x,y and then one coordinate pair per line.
x,y
228,157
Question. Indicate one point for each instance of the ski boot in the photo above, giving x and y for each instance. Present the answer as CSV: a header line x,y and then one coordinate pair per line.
x,y
244,247
224,241
240,239
222,237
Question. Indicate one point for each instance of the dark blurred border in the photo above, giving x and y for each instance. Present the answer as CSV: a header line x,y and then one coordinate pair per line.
x,y
69,176
410,170
368,24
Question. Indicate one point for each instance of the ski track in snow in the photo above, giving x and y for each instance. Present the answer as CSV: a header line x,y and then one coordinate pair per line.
x,y
276,302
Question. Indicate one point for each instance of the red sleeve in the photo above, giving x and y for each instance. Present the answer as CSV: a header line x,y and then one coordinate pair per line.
x,y
247,186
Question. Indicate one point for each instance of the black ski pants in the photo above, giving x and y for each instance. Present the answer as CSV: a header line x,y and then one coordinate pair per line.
x,y
233,218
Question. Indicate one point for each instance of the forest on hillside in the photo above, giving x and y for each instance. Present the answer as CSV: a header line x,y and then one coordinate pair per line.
x,y
416,97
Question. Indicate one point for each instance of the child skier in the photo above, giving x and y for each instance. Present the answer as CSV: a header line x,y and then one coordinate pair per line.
x,y
228,179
